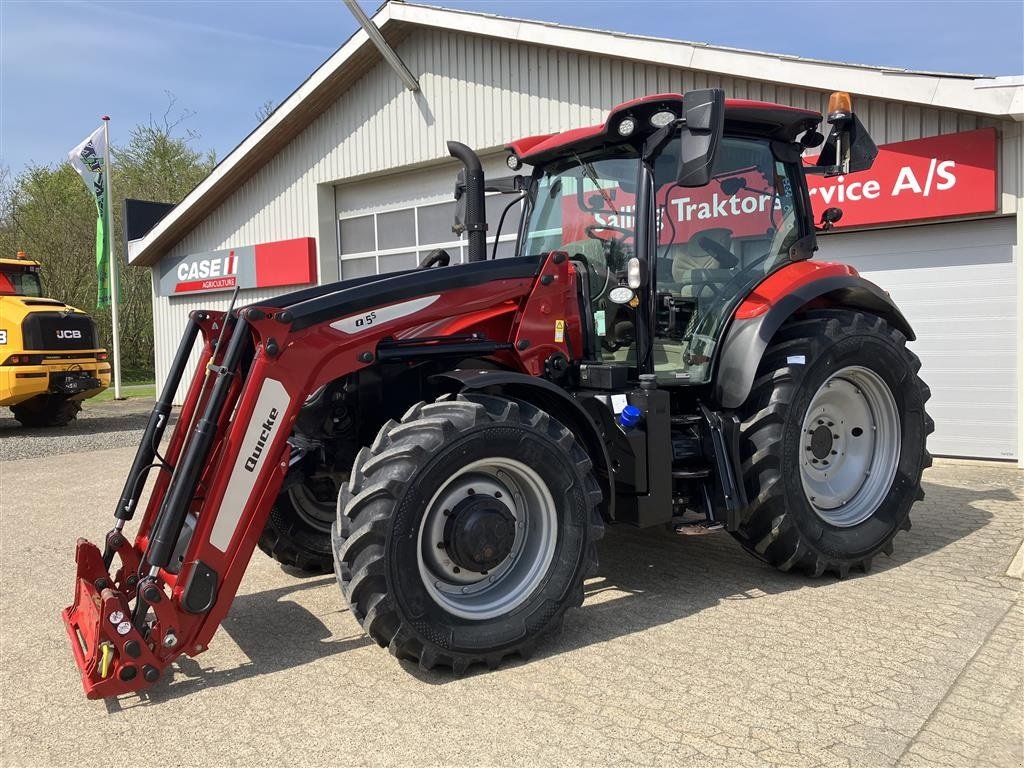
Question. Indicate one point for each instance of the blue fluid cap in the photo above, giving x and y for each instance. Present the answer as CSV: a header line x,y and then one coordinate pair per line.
x,y
630,417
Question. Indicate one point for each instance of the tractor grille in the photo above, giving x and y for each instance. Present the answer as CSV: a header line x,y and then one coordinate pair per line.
x,y
56,331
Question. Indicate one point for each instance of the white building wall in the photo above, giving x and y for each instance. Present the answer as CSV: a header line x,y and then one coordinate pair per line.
x,y
482,92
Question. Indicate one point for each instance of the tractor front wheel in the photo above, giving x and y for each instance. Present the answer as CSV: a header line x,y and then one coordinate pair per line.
x,y
466,531
833,443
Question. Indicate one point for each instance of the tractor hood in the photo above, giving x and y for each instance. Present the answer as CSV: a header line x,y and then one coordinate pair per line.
x,y
312,305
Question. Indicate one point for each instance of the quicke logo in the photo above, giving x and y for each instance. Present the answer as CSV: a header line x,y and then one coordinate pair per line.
x,y
261,441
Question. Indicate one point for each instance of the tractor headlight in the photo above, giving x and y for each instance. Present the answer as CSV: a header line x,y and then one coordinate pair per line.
x,y
626,126
663,118
513,162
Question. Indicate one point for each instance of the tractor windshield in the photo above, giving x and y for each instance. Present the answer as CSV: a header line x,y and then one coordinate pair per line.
x,y
585,206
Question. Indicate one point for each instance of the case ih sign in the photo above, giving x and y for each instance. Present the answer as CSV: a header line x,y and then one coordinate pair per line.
x,y
285,262
933,178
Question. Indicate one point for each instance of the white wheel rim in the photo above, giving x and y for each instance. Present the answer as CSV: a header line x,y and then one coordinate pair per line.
x,y
849,446
481,596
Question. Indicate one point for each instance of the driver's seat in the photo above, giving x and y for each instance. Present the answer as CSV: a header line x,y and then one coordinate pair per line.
x,y
691,256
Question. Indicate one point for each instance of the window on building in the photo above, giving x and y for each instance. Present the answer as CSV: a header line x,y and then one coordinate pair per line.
x,y
398,239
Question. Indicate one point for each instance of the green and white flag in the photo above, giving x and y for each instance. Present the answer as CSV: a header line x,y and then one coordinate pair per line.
x,y
89,159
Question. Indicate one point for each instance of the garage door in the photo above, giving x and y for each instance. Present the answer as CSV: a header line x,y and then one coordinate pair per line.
x,y
390,223
956,283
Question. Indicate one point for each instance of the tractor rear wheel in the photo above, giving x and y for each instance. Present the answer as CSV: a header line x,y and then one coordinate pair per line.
x,y
46,411
833,443
298,530
466,531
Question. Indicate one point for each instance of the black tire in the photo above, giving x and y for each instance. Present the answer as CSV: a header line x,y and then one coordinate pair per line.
x,y
780,526
46,411
297,539
380,512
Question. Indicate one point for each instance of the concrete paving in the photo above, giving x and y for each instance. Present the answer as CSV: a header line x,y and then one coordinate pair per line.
x,y
686,652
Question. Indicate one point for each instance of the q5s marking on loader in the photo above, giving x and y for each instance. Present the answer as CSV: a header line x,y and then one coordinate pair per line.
x,y
453,439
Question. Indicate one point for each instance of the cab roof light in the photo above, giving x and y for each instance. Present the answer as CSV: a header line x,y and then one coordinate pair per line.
x,y
662,118
840,104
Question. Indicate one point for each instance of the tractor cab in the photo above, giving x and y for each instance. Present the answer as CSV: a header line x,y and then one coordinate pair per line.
x,y
674,208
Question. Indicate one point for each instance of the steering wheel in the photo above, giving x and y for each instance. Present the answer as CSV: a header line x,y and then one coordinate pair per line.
x,y
718,252
590,229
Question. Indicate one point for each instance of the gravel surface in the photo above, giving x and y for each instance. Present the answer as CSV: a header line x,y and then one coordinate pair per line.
x,y
99,425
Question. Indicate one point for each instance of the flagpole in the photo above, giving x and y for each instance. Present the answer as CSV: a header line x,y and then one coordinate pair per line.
x,y
114,286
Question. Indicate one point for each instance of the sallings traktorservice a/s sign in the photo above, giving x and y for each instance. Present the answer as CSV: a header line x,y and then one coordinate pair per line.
x,y
265,265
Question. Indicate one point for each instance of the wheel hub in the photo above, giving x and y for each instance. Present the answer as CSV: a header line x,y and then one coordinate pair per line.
x,y
479,533
821,442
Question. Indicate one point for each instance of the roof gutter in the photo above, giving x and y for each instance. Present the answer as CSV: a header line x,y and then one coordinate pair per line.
x,y
392,58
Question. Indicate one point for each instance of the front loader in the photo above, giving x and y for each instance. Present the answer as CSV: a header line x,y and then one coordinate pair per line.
x,y
452,440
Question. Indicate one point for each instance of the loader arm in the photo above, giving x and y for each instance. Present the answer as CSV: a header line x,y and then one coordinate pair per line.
x,y
229,452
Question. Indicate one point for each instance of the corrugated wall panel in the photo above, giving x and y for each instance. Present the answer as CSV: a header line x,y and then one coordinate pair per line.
x,y
482,92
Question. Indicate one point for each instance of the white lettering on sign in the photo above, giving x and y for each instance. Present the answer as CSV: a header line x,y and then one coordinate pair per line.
x,y
363,321
936,177
722,207
201,269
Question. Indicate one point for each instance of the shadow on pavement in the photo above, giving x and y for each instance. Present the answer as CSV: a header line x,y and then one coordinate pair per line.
x,y
272,631
651,577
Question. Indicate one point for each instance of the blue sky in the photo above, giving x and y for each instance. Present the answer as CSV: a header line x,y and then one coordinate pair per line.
x,y
63,64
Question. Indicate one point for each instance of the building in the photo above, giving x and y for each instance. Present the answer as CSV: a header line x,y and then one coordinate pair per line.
x,y
350,175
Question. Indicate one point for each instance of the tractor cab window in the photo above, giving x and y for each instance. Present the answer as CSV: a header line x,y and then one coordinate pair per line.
x,y
585,207
17,280
714,244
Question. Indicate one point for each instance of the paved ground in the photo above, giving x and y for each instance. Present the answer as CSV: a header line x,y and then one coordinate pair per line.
x,y
686,652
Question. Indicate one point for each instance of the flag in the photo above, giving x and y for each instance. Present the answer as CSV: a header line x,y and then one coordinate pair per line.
x,y
89,159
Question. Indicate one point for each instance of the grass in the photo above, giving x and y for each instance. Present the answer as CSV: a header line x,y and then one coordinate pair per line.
x,y
146,389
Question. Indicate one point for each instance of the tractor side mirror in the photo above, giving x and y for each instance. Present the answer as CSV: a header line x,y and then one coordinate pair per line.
x,y
829,218
701,133
849,148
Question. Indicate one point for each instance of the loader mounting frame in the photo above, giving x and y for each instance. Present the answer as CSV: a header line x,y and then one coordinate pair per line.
x,y
229,452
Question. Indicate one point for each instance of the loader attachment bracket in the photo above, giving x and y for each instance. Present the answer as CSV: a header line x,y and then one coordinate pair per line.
x,y
112,656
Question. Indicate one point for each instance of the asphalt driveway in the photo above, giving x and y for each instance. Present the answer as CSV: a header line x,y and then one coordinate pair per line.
x,y
686,652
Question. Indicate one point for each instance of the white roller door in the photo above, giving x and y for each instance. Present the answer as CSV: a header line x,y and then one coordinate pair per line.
x,y
956,283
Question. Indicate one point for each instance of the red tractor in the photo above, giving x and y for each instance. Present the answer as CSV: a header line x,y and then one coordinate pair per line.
x,y
452,440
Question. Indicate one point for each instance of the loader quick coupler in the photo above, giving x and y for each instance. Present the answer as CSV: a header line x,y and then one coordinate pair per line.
x,y
124,629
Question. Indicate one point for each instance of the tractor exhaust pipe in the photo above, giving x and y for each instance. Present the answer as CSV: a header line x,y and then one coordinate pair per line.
x,y
470,187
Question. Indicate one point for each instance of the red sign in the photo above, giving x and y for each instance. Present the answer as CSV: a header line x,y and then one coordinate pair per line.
x,y
266,265
933,178
937,177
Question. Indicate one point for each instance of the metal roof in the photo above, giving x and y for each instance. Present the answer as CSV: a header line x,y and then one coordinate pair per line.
x,y
998,97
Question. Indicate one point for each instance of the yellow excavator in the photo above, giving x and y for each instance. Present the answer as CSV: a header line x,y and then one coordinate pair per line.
x,y
50,358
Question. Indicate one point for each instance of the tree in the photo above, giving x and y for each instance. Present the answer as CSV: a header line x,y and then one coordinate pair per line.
x,y
266,110
47,212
